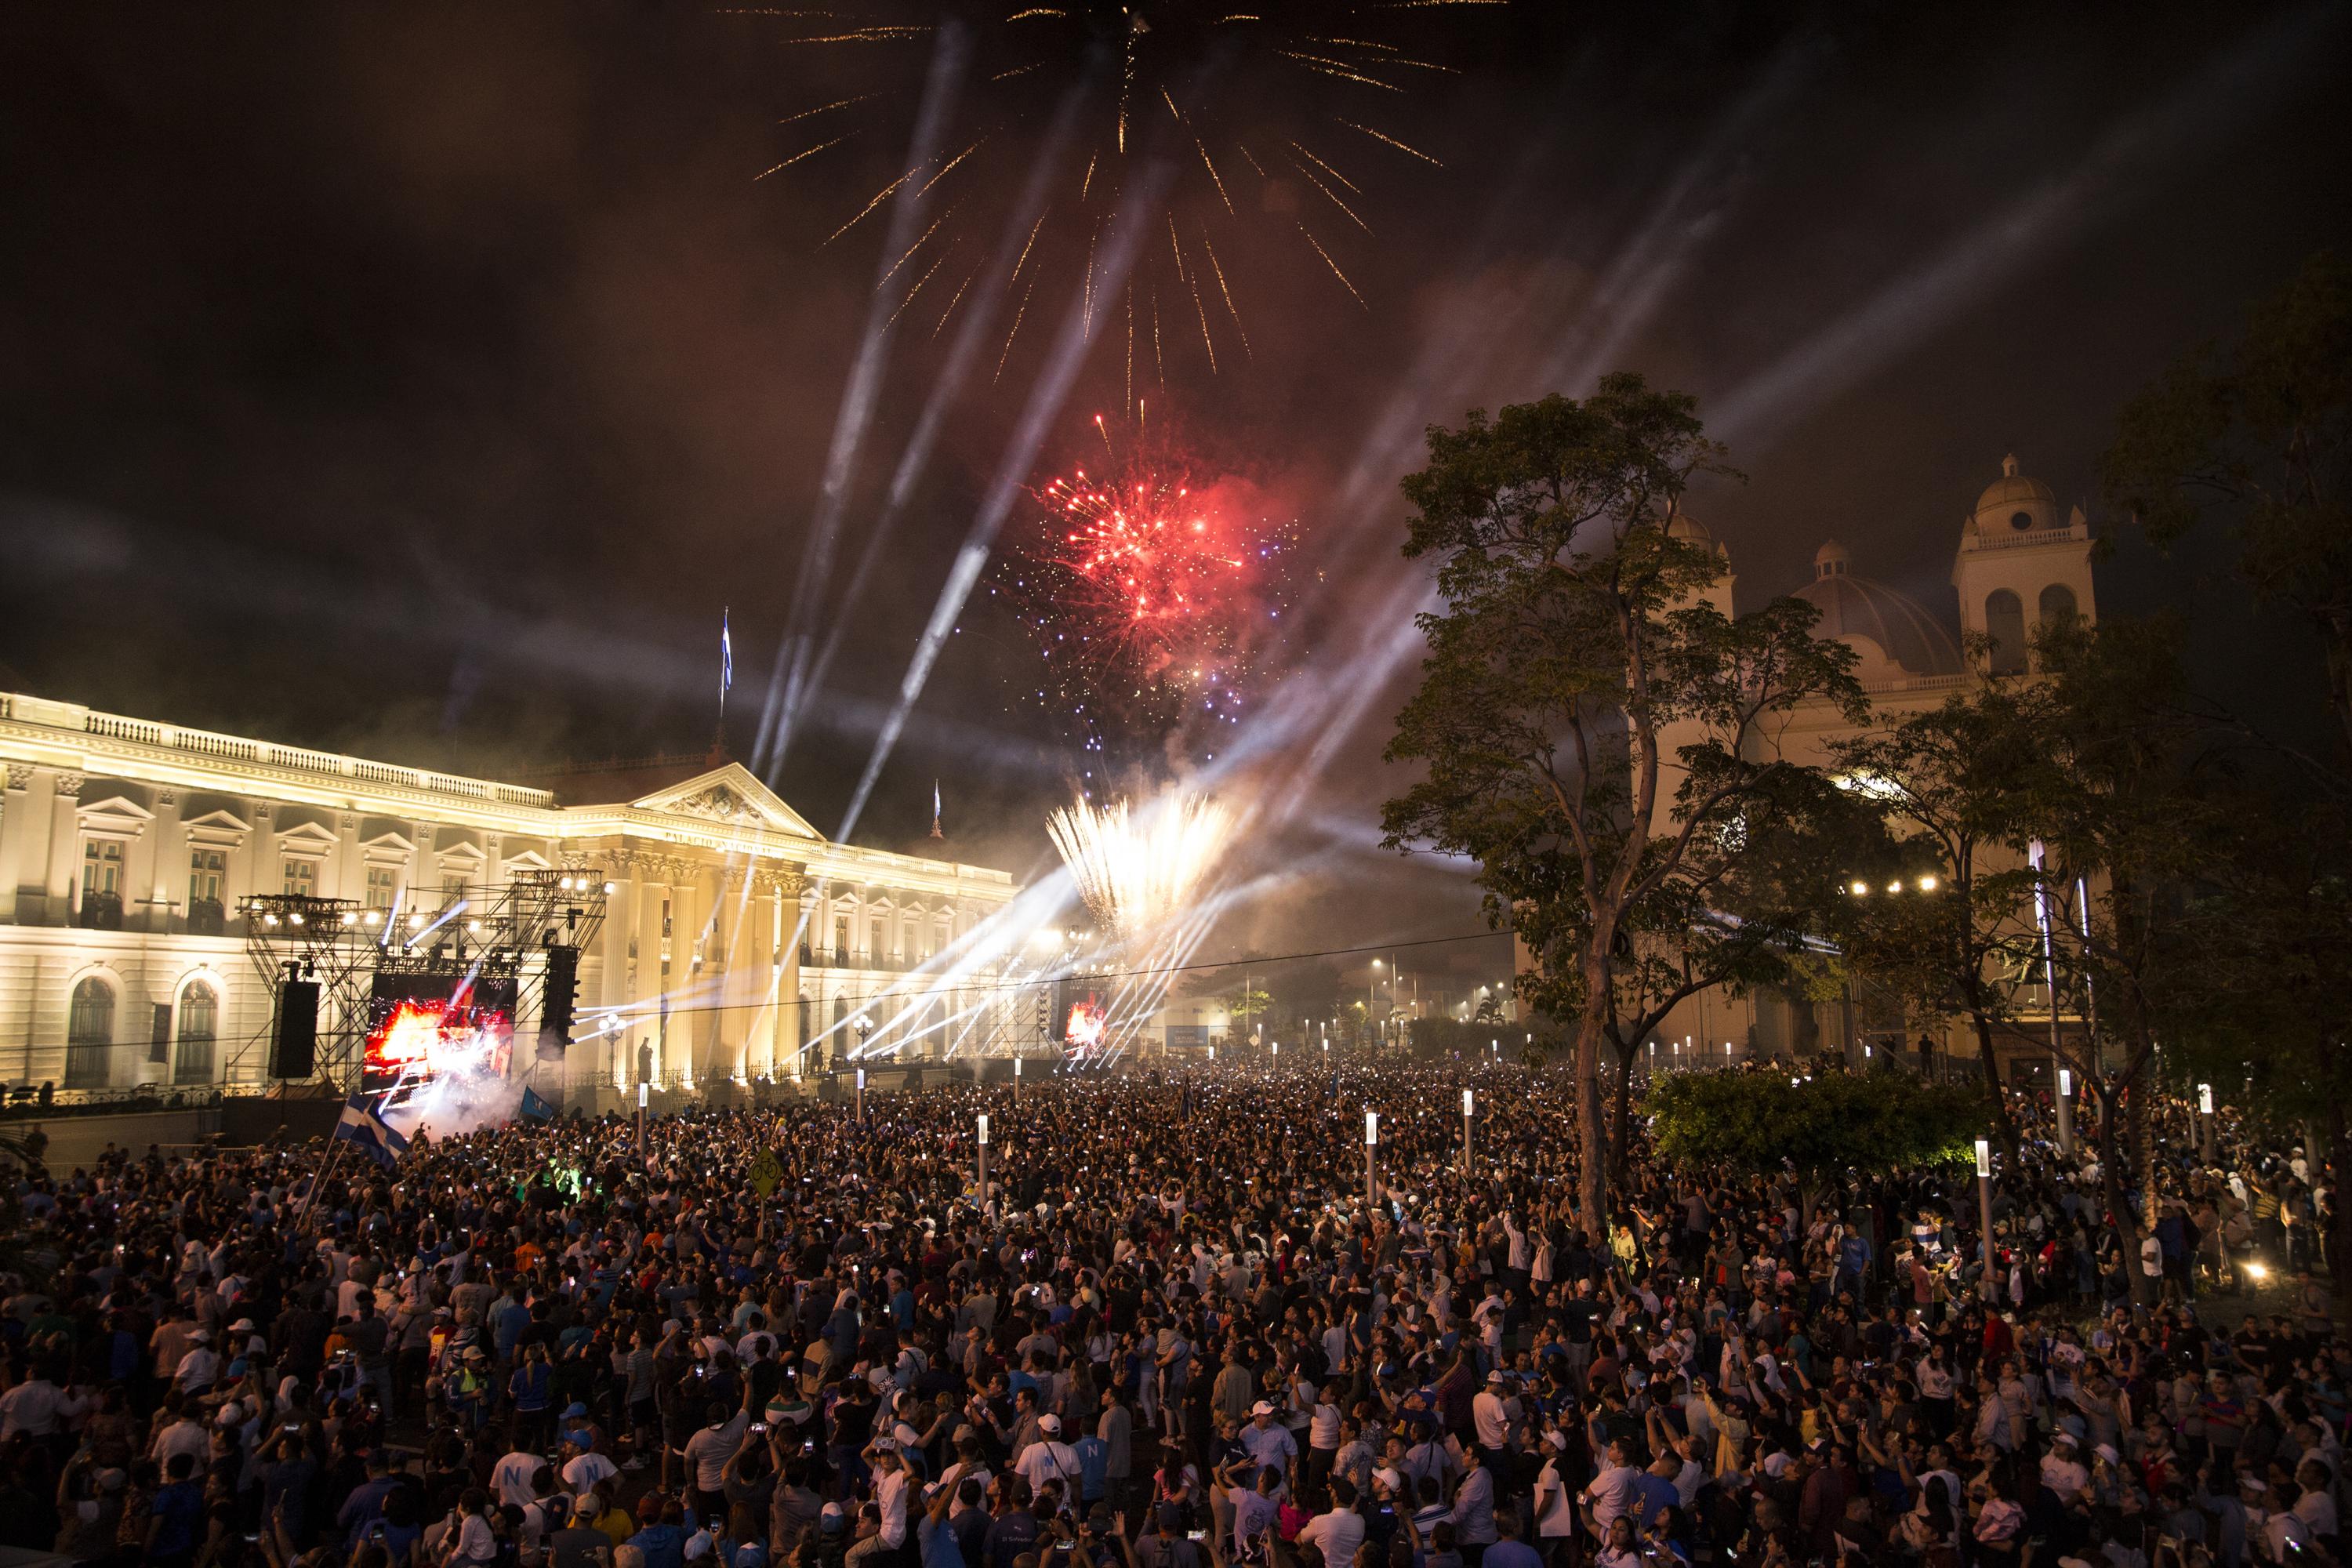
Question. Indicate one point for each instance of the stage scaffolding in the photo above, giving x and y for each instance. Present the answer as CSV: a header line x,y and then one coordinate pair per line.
x,y
516,929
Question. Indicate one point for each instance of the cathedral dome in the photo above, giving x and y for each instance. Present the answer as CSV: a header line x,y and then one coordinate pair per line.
x,y
2014,503
1894,625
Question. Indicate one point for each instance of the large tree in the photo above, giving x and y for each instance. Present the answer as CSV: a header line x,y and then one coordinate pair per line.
x,y
1587,723
2270,919
2257,437
1737,918
2126,809
1951,784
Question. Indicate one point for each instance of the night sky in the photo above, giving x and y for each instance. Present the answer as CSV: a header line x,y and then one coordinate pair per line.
x,y
423,381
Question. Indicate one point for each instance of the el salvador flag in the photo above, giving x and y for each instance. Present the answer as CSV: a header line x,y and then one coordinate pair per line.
x,y
362,1126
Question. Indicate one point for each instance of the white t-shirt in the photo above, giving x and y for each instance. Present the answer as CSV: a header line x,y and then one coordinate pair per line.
x,y
474,1541
1049,1459
1612,1492
584,1471
1338,1532
890,1497
1555,1515
510,1479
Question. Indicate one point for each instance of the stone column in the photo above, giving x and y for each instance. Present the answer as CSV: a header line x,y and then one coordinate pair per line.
x,y
256,869
617,983
16,832
167,865
65,846
785,1026
654,970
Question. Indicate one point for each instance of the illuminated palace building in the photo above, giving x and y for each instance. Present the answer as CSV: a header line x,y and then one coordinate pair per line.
x,y
736,942
2019,566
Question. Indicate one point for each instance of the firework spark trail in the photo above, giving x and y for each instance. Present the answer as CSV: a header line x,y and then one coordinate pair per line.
x,y
1334,266
989,957
1215,267
1138,867
927,234
1333,197
953,300
1209,164
1018,316
917,288
781,709
1327,169
1154,55
1202,311
1044,405
809,152
826,108
948,166
1017,265
1384,136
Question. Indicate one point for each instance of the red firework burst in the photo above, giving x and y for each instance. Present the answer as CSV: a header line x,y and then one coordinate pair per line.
x,y
1154,604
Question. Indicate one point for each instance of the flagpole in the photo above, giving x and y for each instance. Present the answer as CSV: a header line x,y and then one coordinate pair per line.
x,y
319,1183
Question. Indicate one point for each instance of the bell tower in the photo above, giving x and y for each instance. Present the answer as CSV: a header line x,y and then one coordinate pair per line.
x,y
2019,567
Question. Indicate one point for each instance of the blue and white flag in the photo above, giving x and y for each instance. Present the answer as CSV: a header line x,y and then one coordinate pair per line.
x,y
726,660
360,1125
534,1108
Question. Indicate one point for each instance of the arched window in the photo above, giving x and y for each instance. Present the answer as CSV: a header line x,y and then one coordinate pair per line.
x,y
90,1034
199,1026
2005,624
2057,605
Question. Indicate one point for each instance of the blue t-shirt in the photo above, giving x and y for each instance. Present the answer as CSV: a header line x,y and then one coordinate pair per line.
x,y
1512,1554
1657,1493
177,1509
941,1548
663,1545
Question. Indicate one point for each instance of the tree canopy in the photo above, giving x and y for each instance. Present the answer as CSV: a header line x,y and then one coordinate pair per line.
x,y
1589,721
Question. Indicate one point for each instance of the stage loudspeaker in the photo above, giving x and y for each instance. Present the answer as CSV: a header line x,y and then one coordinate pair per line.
x,y
556,1002
294,1048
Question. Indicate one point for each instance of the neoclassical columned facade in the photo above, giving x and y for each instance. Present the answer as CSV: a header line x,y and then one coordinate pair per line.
x,y
735,934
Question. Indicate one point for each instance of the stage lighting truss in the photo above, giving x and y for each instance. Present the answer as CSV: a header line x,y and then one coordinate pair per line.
x,y
293,936
505,931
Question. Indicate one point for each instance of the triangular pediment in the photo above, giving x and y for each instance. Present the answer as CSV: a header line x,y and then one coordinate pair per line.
x,y
309,836
732,794
116,810
217,822
528,860
389,845
469,852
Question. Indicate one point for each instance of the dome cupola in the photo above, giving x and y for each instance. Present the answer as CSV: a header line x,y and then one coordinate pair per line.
x,y
2014,504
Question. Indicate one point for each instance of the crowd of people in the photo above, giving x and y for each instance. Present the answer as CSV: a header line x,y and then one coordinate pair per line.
x,y
1173,1332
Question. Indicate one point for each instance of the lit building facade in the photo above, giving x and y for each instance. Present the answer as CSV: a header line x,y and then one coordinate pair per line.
x,y
738,942
2018,565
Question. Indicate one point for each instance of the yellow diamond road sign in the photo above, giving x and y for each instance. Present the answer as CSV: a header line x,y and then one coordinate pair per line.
x,y
767,1171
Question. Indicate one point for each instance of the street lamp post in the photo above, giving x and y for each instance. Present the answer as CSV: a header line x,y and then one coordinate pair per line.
x,y
1466,1102
981,1193
861,1097
1372,1148
1016,1080
2065,1111
1984,1211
